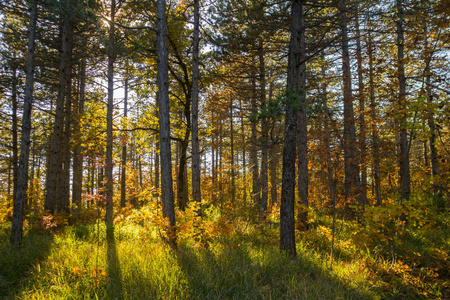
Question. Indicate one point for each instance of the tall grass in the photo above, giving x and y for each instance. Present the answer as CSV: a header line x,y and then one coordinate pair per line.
x,y
79,262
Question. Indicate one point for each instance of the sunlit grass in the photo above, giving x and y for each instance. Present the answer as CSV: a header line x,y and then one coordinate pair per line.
x,y
245,263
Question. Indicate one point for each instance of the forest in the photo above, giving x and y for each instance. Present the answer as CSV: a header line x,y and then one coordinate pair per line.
x,y
226,149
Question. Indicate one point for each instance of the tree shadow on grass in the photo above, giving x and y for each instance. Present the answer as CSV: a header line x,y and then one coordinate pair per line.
x,y
238,272
114,286
17,264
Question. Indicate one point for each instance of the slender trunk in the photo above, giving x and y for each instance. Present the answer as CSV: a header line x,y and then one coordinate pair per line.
x,y
233,173
182,177
327,138
123,179
431,124
67,134
302,131
100,175
219,161
196,192
151,158
109,121
264,136
141,175
362,122
351,168
78,159
10,166
32,193
287,219
92,182
15,153
57,197
273,163
425,156
403,154
213,163
157,150
21,190
375,143
164,116
244,165
256,188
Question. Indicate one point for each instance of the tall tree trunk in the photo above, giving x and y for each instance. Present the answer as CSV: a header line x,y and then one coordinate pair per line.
x,y
287,219
157,150
425,156
351,168
403,154
15,154
196,192
123,179
233,173
109,121
431,124
362,122
10,166
327,138
264,135
182,195
22,172
77,188
57,197
213,163
273,163
67,133
164,116
141,176
375,143
302,130
244,165
219,161
256,187
100,177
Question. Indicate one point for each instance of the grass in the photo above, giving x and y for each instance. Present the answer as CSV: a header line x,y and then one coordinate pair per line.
x,y
79,262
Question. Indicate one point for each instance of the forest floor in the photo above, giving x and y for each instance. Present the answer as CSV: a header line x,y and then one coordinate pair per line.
x,y
222,258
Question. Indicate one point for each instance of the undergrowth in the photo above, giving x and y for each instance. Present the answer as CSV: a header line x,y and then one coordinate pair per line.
x,y
220,257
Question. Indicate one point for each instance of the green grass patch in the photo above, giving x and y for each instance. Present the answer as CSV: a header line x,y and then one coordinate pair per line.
x,y
243,262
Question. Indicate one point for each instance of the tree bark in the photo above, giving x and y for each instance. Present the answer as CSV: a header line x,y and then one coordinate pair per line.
x,y
109,121
164,115
15,154
273,163
351,168
123,179
403,154
375,143
219,161
57,197
431,123
256,187
196,192
77,188
157,150
327,139
361,121
244,165
213,163
287,219
302,131
264,178
22,172
67,132
233,173
182,193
